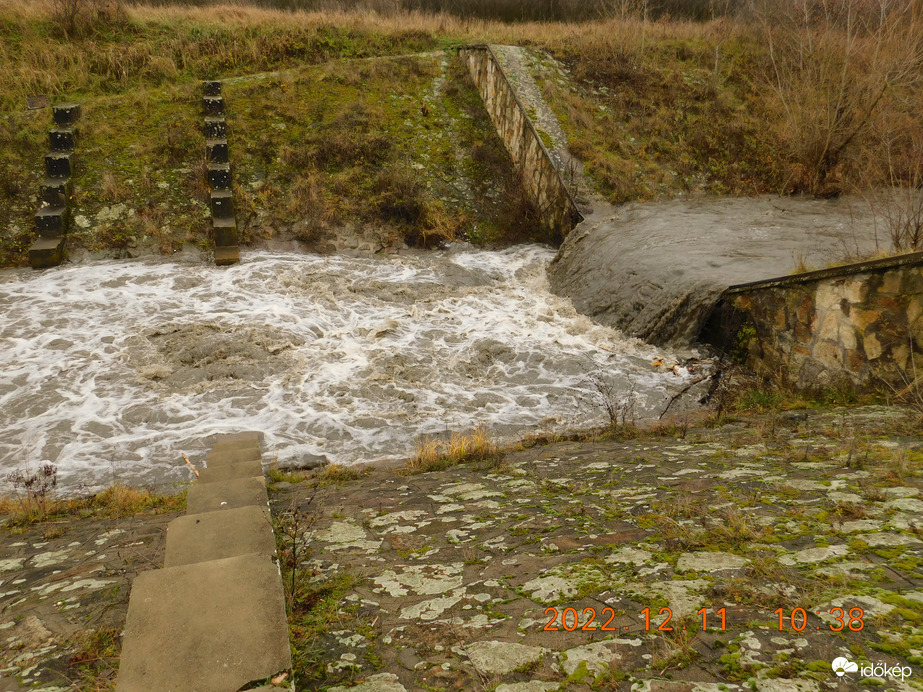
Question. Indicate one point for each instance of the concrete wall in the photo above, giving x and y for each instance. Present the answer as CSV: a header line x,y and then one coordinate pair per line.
x,y
860,325
541,178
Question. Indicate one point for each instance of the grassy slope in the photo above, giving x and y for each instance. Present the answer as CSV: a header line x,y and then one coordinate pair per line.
x,y
653,108
670,121
398,144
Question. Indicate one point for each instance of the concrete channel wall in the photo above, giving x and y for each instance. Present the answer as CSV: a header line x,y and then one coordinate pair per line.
x,y
530,157
860,325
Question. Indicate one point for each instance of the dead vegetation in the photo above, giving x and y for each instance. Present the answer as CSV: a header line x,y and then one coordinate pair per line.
x,y
434,454
653,102
35,501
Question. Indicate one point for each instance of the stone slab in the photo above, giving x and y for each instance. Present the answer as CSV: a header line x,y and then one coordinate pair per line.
x,y
63,139
219,176
227,472
231,494
217,535
222,203
55,192
252,443
213,106
51,222
215,625
211,88
216,150
246,436
225,230
227,456
59,164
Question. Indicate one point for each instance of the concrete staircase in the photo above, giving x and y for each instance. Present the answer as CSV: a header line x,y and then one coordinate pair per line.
x,y
213,619
224,224
53,216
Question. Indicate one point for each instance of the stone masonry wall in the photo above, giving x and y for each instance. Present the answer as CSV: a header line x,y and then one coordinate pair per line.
x,y
531,159
860,325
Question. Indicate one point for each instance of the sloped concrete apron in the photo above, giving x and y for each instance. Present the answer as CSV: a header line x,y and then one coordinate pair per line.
x,y
213,619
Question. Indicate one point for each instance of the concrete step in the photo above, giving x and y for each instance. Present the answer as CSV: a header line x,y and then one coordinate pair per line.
x,y
222,203
217,150
225,231
218,449
227,472
231,445
243,443
55,192
227,254
219,176
242,437
51,222
213,106
62,139
223,457
211,88
46,252
207,627
66,114
216,128
214,497
59,164
217,535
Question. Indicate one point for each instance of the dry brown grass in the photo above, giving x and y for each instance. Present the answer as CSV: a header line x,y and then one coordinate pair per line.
x,y
114,502
841,73
435,454
657,107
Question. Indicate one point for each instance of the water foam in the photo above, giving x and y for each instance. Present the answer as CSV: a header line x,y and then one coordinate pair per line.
x,y
111,370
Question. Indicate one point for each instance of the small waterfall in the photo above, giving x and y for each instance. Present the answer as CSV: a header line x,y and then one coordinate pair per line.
x,y
654,270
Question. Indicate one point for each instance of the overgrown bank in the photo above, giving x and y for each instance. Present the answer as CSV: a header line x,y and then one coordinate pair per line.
x,y
824,104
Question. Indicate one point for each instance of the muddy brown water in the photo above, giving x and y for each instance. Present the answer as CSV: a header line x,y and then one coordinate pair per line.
x,y
110,371
654,270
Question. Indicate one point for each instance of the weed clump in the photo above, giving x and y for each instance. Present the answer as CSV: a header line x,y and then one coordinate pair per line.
x,y
435,455
36,503
96,661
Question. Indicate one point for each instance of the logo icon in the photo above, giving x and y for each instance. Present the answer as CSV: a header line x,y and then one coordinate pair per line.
x,y
841,666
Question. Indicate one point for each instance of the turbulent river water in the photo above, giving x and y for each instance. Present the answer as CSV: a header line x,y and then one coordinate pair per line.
x,y
656,269
111,370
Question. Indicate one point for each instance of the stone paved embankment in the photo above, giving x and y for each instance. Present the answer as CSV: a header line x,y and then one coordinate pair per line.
x,y
458,569
453,571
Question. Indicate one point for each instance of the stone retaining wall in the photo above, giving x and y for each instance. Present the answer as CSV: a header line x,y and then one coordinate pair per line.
x,y
530,157
860,325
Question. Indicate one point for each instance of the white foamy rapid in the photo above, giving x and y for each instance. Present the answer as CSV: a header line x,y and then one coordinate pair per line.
x,y
111,370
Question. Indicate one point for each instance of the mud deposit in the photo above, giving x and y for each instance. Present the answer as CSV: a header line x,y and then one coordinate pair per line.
x,y
110,371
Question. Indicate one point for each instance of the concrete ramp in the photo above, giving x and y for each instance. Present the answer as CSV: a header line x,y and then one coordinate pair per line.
x,y
213,619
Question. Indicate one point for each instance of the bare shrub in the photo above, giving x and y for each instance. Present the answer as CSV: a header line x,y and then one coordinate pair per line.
x,y
832,64
902,204
83,17
35,490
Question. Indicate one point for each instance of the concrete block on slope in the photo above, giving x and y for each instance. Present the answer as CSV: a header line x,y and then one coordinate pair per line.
x,y
227,472
214,497
209,627
224,457
217,535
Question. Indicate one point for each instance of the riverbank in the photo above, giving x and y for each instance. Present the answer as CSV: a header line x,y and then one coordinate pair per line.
x,y
400,149
443,580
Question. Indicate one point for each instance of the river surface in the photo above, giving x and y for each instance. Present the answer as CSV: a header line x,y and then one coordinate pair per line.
x,y
111,370
656,269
